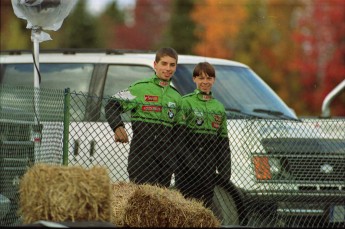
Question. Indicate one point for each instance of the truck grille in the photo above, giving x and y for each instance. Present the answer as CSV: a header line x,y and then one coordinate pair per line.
x,y
302,159
10,131
315,169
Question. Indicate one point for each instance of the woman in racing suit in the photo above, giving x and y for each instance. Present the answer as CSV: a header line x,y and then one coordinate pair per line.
x,y
205,137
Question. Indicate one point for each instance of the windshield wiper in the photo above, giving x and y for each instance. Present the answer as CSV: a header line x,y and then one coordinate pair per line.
x,y
273,113
238,111
270,112
233,110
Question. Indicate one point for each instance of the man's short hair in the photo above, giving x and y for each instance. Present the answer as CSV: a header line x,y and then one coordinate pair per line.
x,y
166,52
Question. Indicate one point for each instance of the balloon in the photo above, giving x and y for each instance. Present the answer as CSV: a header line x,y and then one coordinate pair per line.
x,y
43,14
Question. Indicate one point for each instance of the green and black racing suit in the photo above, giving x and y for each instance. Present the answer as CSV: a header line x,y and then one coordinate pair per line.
x,y
152,103
206,146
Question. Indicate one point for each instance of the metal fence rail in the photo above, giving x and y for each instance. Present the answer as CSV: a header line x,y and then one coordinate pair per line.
x,y
283,173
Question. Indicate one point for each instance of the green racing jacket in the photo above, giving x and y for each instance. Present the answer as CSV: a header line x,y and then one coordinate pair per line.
x,y
203,114
150,100
203,123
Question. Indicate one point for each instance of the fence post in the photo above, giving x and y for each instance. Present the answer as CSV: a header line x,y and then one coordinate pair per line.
x,y
67,97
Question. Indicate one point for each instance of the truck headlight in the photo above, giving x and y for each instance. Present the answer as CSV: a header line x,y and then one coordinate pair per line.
x,y
275,165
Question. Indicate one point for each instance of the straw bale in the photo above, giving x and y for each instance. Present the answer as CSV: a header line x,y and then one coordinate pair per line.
x,y
153,206
60,193
121,192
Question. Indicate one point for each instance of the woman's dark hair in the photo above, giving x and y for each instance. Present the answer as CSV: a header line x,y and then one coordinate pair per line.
x,y
204,67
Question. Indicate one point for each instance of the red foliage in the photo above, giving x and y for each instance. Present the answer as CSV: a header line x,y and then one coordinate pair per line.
x,y
149,20
321,34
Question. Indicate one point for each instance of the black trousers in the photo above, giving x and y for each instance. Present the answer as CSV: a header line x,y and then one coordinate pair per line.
x,y
151,156
197,184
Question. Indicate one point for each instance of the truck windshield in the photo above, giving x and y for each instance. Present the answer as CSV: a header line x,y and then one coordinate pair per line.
x,y
53,76
239,89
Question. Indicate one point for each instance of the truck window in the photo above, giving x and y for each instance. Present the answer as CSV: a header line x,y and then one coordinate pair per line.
x,y
237,88
120,77
53,76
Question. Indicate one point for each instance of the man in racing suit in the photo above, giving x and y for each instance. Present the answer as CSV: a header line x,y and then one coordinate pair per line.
x,y
206,143
152,103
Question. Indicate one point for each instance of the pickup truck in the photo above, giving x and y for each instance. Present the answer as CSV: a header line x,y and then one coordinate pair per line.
x,y
286,171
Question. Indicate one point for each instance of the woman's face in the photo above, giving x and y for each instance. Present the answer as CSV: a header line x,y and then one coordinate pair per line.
x,y
204,82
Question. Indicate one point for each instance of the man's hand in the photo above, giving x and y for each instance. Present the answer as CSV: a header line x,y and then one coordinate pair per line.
x,y
120,135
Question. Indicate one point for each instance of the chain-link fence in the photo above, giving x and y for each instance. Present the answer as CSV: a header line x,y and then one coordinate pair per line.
x,y
284,173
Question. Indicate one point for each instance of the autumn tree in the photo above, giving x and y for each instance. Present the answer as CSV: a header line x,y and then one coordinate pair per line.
x,y
149,18
107,23
256,38
79,30
321,65
265,44
218,23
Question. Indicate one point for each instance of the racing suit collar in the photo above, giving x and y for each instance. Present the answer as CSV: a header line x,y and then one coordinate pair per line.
x,y
160,82
203,96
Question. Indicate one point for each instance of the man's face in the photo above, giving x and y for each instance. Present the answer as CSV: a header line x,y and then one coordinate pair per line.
x,y
204,82
165,68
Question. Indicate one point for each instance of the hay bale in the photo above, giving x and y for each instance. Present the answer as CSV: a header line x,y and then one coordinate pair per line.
x,y
60,193
152,206
121,192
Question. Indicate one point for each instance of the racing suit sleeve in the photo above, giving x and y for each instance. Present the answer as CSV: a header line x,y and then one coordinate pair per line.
x,y
224,157
116,105
179,134
113,111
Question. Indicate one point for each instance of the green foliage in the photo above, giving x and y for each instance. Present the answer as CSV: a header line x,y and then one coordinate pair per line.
x,y
113,12
254,40
265,44
180,30
79,29
15,36
107,22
